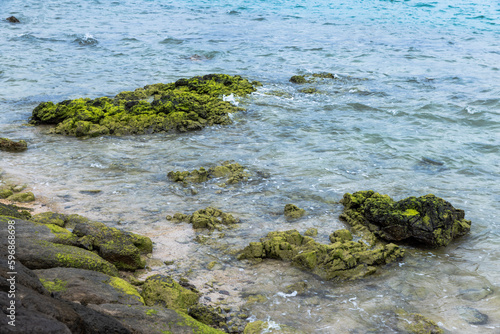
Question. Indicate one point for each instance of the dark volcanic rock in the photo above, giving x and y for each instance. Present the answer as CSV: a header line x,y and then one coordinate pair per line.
x,y
88,287
12,19
428,219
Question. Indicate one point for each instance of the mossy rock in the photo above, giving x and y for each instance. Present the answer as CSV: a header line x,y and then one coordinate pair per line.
x,y
428,220
41,254
261,327
120,248
416,323
49,218
12,146
209,218
22,197
6,192
165,291
13,211
343,259
207,315
292,211
231,172
185,105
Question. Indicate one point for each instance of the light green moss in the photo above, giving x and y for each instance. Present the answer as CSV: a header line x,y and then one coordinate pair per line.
x,y
22,197
293,212
411,212
185,105
166,292
125,287
210,218
56,285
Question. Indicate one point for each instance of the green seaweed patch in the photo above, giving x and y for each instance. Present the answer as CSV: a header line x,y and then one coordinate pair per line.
x,y
310,78
428,219
209,218
56,285
231,172
292,211
12,146
342,259
165,291
185,105
259,327
125,287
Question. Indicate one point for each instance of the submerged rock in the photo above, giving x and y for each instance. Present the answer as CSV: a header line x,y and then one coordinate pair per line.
x,y
342,259
210,218
472,316
185,105
231,172
293,212
415,323
12,146
13,19
428,219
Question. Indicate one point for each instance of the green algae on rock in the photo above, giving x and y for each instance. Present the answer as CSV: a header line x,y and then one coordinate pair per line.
x,y
12,146
292,211
22,197
210,218
118,247
165,291
231,172
428,219
343,259
416,323
185,105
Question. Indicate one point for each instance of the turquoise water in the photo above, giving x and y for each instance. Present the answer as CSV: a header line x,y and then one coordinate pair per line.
x,y
415,110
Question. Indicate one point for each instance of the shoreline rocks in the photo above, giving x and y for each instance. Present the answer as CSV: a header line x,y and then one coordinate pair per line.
x,y
185,105
344,258
231,172
427,220
12,146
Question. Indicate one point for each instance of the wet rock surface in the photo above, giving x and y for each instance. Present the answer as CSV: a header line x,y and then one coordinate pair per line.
x,y
428,220
231,173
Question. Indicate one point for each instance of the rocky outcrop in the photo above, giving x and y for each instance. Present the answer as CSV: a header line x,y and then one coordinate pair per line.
x,y
185,105
343,258
428,220
292,211
12,146
209,218
165,291
231,173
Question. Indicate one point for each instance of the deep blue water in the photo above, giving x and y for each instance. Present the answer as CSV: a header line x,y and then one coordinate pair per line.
x,y
415,110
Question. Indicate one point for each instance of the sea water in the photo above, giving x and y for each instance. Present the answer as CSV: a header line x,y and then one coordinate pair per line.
x,y
414,109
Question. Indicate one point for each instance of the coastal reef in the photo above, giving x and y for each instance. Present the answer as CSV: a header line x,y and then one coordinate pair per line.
x,y
342,259
209,218
231,173
428,220
185,105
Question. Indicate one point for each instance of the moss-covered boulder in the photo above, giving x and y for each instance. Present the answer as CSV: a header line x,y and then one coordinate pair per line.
x,y
120,248
49,218
231,173
292,211
428,219
415,323
12,146
185,105
22,197
210,218
344,259
165,291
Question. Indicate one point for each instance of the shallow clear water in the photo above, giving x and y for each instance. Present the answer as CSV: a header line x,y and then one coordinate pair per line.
x,y
418,84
